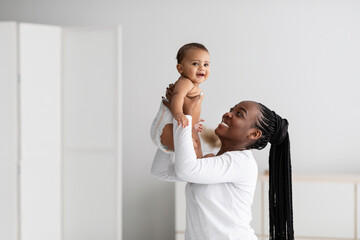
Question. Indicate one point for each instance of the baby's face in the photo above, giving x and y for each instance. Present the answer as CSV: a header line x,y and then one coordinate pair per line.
x,y
195,65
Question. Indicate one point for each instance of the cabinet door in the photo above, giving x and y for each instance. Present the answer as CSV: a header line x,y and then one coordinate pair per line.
x,y
180,236
40,129
91,166
257,209
9,131
180,206
358,210
321,209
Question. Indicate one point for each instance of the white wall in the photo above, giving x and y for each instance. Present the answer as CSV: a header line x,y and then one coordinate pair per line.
x,y
299,58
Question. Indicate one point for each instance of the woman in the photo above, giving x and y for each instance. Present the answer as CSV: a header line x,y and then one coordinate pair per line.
x,y
220,188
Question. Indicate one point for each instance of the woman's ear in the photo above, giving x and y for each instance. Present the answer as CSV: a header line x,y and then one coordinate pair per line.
x,y
179,67
255,134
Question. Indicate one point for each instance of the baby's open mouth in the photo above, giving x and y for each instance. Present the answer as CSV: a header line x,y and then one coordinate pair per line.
x,y
200,75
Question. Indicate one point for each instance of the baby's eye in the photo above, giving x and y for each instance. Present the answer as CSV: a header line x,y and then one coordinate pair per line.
x,y
206,64
195,63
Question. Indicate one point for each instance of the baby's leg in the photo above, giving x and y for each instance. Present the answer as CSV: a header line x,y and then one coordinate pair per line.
x,y
167,140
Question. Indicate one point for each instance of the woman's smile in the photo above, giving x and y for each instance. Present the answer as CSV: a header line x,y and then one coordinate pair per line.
x,y
224,124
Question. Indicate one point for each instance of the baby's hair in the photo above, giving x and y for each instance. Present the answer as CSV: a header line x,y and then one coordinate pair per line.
x,y
182,51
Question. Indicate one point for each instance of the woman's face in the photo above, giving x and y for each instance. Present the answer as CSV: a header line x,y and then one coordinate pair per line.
x,y
238,125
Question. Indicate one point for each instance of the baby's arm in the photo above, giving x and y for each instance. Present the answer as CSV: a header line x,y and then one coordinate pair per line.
x,y
182,87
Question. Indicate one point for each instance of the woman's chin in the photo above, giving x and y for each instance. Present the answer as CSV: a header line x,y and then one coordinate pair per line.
x,y
217,131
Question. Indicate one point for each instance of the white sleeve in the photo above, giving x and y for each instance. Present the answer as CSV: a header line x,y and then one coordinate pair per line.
x,y
163,167
228,167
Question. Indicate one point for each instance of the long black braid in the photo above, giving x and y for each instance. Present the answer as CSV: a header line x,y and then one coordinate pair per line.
x,y
274,130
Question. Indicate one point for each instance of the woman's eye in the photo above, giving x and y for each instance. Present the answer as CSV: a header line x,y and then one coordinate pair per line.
x,y
240,114
231,109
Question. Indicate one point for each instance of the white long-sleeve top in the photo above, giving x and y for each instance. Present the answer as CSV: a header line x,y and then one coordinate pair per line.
x,y
219,192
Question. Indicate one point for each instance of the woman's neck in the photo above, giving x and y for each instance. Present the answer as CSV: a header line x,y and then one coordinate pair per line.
x,y
229,147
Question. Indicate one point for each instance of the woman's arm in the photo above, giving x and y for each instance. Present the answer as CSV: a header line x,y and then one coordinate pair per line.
x,y
235,166
163,167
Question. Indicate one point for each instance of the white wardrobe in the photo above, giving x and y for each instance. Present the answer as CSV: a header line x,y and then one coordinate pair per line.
x,y
60,124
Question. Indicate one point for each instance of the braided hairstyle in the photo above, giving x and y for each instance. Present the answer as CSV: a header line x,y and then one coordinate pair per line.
x,y
275,130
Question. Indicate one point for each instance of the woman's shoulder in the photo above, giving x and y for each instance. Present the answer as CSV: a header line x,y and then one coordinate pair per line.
x,y
243,164
244,160
244,157
243,153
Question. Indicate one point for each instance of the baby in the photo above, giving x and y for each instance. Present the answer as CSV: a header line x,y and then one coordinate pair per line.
x,y
193,64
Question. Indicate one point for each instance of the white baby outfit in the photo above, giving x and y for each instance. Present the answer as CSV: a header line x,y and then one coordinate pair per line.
x,y
163,117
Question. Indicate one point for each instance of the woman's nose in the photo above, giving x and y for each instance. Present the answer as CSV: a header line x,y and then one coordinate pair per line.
x,y
227,115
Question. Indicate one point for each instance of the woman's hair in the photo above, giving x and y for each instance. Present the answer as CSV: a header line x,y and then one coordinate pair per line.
x,y
275,130
182,51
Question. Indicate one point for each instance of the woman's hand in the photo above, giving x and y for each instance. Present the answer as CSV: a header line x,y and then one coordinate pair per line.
x,y
168,96
169,91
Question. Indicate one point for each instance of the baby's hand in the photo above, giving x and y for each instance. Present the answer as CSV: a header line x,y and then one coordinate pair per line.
x,y
198,126
181,119
209,155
